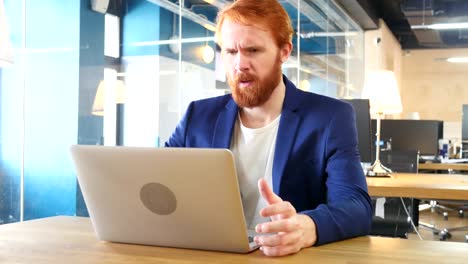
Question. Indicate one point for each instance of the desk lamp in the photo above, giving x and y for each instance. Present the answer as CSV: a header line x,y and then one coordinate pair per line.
x,y
6,49
114,90
110,96
381,88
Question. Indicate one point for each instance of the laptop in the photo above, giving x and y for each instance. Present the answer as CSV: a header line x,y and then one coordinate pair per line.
x,y
171,197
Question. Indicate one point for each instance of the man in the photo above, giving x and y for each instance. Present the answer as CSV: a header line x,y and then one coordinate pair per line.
x,y
300,147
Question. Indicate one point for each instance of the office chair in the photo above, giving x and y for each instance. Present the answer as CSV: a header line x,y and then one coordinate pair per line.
x,y
460,207
446,233
395,221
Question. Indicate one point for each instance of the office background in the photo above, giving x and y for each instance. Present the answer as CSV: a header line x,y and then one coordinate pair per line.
x,y
155,56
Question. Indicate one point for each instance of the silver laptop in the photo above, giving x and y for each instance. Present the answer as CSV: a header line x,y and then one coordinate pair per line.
x,y
173,197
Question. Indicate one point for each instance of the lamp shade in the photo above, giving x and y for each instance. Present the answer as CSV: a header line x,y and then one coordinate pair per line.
x,y
98,104
6,49
381,88
115,89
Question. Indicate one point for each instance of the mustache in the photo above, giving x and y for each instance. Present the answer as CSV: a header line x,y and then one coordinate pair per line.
x,y
243,76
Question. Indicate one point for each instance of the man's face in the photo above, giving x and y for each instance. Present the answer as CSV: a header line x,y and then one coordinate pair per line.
x,y
252,61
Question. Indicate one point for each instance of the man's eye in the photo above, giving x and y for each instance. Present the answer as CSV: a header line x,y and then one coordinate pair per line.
x,y
230,51
253,50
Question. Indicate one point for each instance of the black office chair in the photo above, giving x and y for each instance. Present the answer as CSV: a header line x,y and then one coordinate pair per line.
x,y
396,222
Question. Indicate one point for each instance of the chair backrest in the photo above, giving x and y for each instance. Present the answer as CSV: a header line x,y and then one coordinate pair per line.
x,y
394,223
401,160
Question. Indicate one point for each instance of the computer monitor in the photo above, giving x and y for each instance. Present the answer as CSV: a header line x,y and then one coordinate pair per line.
x,y
465,123
422,135
361,108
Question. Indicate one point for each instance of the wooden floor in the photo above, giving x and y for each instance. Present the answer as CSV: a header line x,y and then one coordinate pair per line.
x,y
431,217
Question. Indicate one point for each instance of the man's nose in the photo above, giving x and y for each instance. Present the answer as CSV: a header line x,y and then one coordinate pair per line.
x,y
242,62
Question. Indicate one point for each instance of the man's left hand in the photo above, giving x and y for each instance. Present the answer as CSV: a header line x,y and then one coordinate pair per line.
x,y
291,231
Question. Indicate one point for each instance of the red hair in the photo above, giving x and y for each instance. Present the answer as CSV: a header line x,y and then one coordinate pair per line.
x,y
265,14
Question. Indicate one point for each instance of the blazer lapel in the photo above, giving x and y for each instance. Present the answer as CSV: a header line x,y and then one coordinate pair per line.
x,y
225,126
287,129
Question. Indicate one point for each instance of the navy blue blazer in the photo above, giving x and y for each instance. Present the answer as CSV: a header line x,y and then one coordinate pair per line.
x,y
316,165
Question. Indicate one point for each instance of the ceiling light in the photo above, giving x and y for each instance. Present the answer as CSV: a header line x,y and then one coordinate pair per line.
x,y
208,54
305,85
442,26
458,59
312,34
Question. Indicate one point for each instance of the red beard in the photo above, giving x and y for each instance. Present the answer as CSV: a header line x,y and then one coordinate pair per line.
x,y
259,91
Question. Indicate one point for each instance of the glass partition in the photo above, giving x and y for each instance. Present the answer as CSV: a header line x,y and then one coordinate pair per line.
x,y
329,56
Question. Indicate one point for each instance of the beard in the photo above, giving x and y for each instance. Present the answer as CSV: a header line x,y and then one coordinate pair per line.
x,y
259,91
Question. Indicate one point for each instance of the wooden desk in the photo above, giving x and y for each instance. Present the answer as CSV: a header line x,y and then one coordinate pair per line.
x,y
71,240
422,185
443,166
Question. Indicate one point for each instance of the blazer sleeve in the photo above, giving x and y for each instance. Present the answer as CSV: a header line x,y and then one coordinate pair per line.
x,y
178,137
348,211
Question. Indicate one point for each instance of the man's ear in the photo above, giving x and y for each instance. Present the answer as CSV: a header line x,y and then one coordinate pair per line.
x,y
285,51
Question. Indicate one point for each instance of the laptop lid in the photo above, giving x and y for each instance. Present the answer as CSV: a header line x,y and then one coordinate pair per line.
x,y
174,197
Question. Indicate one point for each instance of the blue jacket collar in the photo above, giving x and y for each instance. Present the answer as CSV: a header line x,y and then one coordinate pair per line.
x,y
224,126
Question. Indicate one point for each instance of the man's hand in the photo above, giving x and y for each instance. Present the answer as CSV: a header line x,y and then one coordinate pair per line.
x,y
292,231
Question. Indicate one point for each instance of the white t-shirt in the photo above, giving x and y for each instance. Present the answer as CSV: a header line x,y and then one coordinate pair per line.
x,y
254,151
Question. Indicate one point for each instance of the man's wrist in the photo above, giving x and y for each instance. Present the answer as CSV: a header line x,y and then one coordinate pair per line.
x,y
310,231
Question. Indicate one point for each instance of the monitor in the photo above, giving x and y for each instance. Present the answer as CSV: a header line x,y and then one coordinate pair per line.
x,y
361,108
421,135
465,122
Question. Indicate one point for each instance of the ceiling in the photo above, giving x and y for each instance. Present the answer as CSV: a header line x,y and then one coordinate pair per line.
x,y
401,15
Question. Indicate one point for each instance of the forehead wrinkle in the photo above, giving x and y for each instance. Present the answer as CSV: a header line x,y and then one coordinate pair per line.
x,y
249,42
245,32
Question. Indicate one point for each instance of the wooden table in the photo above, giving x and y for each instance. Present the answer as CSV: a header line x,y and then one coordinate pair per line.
x,y
71,240
443,166
421,185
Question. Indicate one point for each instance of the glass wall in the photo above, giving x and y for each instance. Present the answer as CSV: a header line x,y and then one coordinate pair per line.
x,y
125,78
328,57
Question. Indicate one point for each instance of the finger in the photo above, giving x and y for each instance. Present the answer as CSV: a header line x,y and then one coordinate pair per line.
x,y
267,193
280,239
283,225
284,209
280,250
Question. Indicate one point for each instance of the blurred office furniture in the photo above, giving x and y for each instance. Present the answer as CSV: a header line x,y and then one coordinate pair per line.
x,y
444,206
434,186
421,135
401,160
435,205
451,166
394,222
446,232
398,212
381,88
423,186
363,125
430,166
464,147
